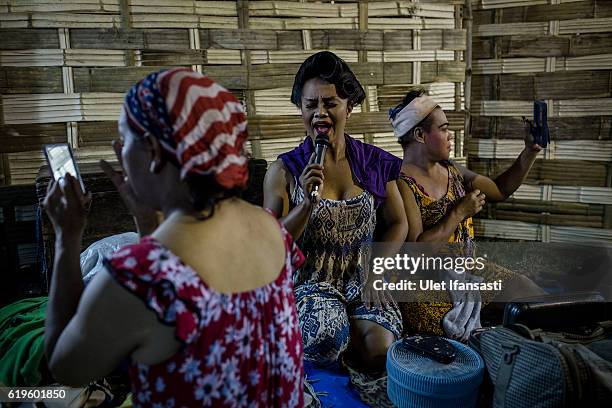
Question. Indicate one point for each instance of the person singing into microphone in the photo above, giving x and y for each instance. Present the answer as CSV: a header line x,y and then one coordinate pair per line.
x,y
355,180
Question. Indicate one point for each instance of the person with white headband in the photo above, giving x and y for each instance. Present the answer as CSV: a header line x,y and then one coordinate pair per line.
x,y
441,197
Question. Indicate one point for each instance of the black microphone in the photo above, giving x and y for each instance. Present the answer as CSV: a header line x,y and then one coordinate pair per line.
x,y
321,144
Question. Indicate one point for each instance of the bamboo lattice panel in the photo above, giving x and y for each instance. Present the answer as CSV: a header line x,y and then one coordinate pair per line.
x,y
65,65
559,51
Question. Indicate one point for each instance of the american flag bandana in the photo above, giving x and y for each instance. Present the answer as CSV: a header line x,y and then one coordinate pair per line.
x,y
197,120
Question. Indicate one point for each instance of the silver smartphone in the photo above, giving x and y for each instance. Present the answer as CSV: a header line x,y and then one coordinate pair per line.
x,y
61,162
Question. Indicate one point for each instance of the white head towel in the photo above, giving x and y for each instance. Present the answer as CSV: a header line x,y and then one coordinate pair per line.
x,y
412,114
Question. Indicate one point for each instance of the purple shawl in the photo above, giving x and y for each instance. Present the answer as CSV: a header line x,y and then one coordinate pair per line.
x,y
372,167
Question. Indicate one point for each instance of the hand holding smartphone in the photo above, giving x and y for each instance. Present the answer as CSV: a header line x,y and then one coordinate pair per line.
x,y
539,126
66,203
61,162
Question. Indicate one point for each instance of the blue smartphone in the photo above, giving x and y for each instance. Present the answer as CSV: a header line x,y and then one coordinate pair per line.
x,y
541,135
539,127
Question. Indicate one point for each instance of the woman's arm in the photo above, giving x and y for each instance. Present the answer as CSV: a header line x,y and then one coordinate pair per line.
x,y
81,341
276,196
394,235
510,180
66,289
394,218
109,324
66,206
468,206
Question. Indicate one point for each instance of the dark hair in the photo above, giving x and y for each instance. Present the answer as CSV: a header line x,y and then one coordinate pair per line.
x,y
408,137
331,68
204,190
206,193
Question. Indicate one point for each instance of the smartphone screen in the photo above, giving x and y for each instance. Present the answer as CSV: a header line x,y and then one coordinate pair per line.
x,y
61,161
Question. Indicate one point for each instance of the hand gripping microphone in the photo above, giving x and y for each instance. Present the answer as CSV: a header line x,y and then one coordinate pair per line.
x,y
321,144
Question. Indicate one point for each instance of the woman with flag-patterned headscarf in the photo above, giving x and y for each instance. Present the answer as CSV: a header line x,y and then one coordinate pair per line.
x,y
204,306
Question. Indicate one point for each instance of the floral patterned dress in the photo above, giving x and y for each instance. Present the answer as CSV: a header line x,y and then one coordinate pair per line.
x,y
239,350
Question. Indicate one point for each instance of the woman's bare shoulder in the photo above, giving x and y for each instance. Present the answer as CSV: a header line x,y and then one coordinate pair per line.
x,y
277,169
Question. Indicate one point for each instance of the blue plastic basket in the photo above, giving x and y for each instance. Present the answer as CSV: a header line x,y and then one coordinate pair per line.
x,y
417,381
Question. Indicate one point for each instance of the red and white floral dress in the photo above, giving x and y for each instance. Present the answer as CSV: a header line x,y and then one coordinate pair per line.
x,y
239,350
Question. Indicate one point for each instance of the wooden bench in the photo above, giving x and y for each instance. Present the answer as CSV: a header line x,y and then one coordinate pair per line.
x,y
19,267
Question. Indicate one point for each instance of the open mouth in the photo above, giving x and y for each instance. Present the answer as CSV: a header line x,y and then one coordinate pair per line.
x,y
321,127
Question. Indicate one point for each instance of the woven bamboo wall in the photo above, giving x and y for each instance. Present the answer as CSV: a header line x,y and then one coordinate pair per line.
x,y
559,51
65,65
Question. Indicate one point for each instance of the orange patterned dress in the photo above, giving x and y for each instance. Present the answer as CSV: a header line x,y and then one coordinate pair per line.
x,y
426,316
432,211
